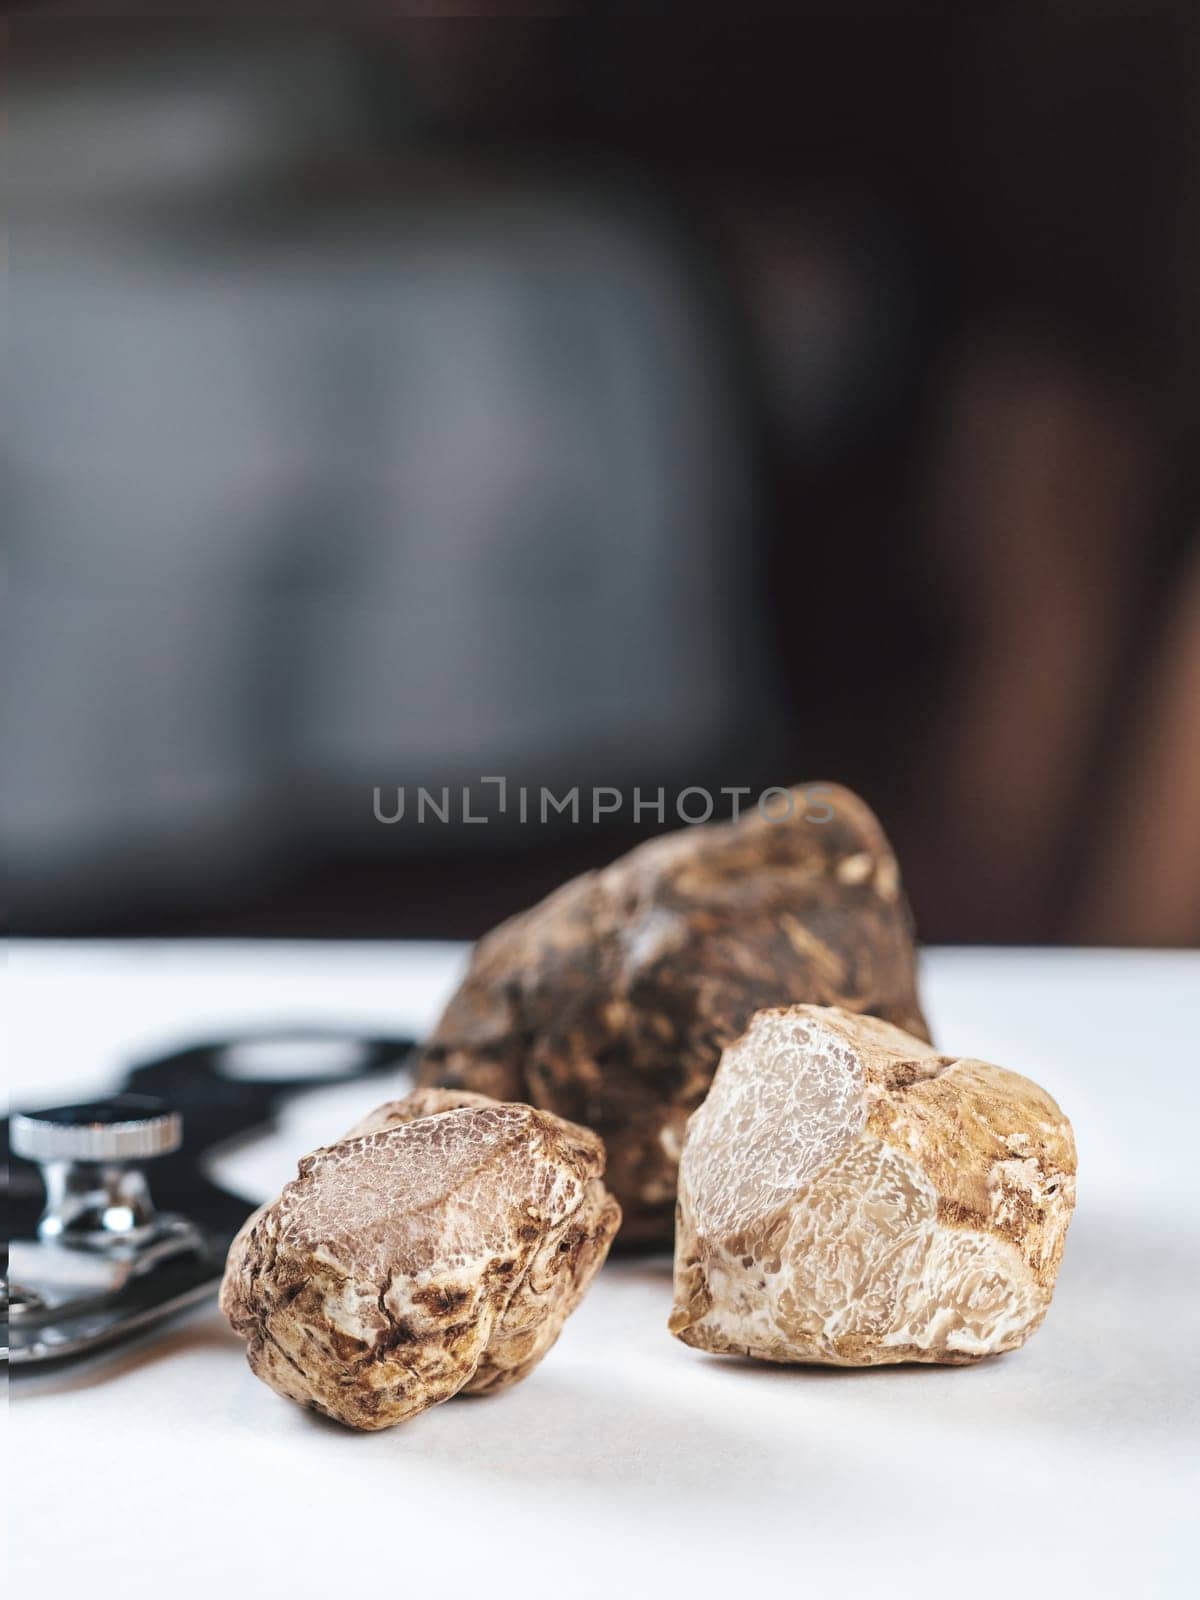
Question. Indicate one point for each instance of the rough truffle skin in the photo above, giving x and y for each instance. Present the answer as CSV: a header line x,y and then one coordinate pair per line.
x,y
437,1249
610,1002
849,1196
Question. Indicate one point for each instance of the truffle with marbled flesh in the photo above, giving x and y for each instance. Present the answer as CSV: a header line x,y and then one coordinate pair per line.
x,y
850,1196
436,1249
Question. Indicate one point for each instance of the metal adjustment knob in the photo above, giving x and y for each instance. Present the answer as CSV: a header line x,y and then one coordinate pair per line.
x,y
96,1193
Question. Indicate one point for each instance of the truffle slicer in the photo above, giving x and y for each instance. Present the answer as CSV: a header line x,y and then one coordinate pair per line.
x,y
91,1257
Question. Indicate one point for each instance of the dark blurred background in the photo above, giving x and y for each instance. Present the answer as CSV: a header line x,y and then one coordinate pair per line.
x,y
391,402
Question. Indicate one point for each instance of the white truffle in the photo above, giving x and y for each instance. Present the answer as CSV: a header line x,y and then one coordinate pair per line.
x,y
611,1001
850,1196
436,1249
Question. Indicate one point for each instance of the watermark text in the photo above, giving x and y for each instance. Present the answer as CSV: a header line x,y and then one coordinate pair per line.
x,y
491,799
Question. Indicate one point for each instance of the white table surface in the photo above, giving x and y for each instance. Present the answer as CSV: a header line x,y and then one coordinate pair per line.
x,y
628,1464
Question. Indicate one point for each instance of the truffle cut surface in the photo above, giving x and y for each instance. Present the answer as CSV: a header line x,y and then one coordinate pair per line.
x,y
436,1249
850,1196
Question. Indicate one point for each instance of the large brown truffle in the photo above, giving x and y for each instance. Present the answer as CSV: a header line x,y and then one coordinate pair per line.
x,y
611,1001
436,1249
849,1196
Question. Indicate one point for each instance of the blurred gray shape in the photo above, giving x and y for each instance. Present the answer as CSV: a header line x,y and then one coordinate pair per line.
x,y
308,495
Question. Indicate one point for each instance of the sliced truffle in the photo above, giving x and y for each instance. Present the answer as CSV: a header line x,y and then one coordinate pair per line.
x,y
847,1195
610,1002
435,1250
